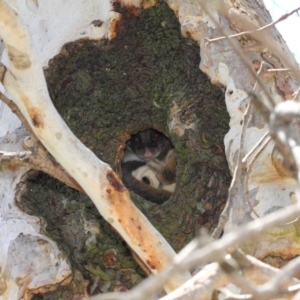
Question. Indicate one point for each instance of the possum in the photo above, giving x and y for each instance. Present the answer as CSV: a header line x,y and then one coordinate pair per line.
x,y
150,152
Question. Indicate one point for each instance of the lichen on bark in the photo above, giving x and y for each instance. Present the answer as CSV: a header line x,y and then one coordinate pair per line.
x,y
148,76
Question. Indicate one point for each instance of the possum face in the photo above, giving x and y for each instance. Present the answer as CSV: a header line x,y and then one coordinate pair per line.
x,y
148,144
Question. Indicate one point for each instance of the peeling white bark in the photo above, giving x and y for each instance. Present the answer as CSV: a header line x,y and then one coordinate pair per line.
x,y
225,68
53,23
269,186
28,260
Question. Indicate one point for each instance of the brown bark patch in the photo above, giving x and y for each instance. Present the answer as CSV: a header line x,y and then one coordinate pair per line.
x,y
115,182
19,59
37,117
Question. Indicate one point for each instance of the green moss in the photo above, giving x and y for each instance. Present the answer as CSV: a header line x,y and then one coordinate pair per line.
x,y
107,89
97,271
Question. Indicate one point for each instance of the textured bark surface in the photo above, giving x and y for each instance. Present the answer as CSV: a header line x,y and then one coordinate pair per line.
x,y
148,76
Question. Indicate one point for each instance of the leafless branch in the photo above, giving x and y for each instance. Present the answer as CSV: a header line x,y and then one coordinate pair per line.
x,y
283,17
278,70
257,149
213,251
14,108
296,94
263,38
242,57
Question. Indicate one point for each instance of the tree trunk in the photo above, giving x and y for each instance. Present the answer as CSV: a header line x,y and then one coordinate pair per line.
x,y
139,70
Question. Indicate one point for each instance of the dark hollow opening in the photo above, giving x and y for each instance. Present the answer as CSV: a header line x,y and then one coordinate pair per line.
x,y
149,165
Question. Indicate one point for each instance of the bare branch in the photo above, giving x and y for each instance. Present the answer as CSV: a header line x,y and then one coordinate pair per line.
x,y
228,295
238,51
256,150
279,70
14,108
282,280
284,134
259,35
210,252
14,159
283,17
296,94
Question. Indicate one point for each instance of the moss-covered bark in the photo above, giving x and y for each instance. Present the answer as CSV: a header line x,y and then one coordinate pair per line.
x,y
146,77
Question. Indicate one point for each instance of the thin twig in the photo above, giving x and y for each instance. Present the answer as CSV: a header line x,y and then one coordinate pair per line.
x,y
259,145
296,94
242,57
279,70
283,17
14,108
231,267
258,148
288,271
228,295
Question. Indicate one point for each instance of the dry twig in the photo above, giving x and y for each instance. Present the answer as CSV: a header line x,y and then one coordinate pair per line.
x,y
283,17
